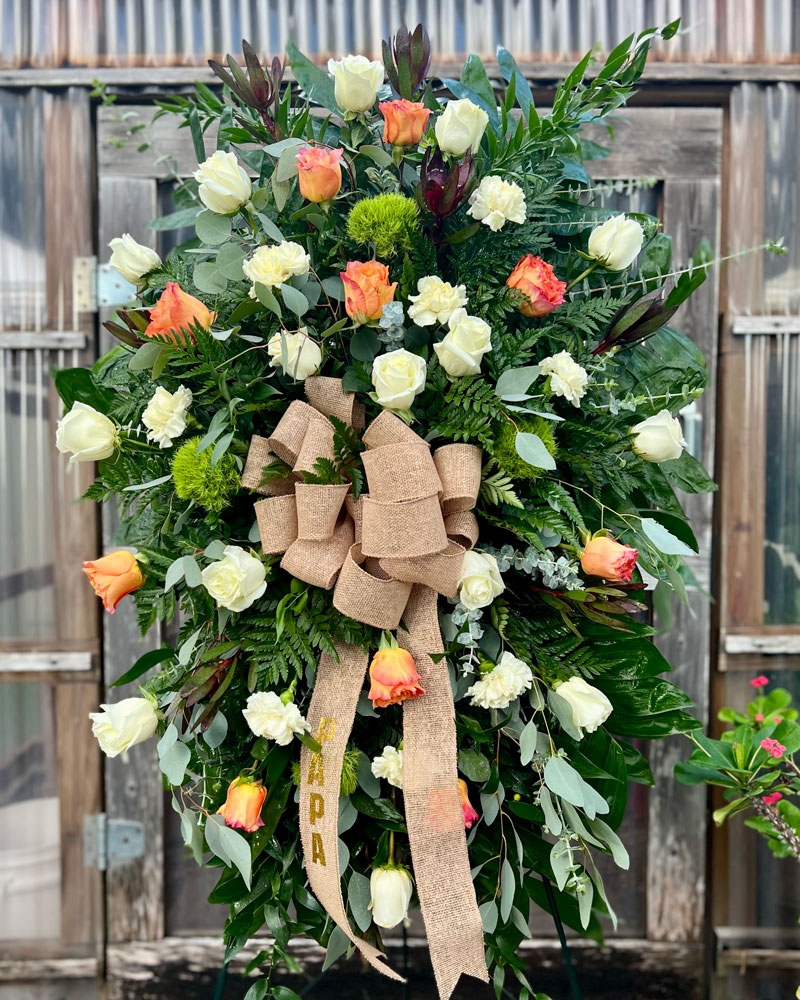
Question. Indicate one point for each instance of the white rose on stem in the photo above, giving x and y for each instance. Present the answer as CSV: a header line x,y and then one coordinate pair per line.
x,y
462,348
236,580
356,80
658,438
302,355
436,301
480,581
567,378
398,377
460,127
496,201
122,725
590,708
86,434
268,716
616,242
224,185
131,259
390,894
505,683
274,265
389,765
165,415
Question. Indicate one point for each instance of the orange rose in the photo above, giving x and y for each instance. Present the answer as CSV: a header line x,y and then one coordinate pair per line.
x,y
404,122
393,678
319,173
174,313
366,289
243,804
470,816
534,277
604,557
113,576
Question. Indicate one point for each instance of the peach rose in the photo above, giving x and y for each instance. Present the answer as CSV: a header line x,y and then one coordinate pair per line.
x,y
243,804
113,576
604,557
470,816
366,289
534,277
404,122
174,313
319,173
393,678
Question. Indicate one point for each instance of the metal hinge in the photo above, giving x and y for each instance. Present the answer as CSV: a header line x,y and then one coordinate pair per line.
x,y
99,286
108,840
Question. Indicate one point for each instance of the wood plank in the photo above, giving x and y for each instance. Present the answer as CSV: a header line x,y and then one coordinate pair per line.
x,y
48,340
779,644
29,662
45,969
766,325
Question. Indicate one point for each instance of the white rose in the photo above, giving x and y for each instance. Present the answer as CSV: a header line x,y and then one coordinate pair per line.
x,y
236,580
87,434
460,127
398,377
480,581
303,355
658,438
275,264
495,202
165,415
389,765
356,81
502,685
466,343
131,259
616,242
267,716
567,378
436,302
224,185
590,708
124,724
390,894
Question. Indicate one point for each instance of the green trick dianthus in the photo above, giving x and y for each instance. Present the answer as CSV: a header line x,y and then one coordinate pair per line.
x,y
505,451
387,220
195,479
350,763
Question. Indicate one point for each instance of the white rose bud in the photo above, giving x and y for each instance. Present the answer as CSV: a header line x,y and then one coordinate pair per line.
x,y
268,716
303,355
224,185
658,438
275,264
165,415
464,345
236,580
590,708
398,377
616,242
436,302
124,724
460,127
356,81
480,581
567,378
496,201
87,434
503,684
131,259
389,765
390,894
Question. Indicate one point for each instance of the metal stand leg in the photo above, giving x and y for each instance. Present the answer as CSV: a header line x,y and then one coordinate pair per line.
x,y
572,976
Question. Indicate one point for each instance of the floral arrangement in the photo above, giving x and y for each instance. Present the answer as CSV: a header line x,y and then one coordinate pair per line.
x,y
394,441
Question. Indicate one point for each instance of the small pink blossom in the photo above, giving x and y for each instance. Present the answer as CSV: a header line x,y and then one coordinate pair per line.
x,y
759,717
777,720
774,748
772,798
759,682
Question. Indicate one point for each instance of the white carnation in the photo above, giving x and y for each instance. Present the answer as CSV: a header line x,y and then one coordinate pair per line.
x,y
567,378
496,201
436,302
503,684
267,716
165,415
389,765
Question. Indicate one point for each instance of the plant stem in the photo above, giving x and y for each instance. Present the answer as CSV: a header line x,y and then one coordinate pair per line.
x,y
785,832
583,274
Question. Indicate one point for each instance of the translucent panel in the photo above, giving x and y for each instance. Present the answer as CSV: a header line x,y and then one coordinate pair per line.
x,y
781,197
30,887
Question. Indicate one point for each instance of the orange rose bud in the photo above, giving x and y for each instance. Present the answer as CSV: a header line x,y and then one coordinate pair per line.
x,y
393,678
470,816
604,557
113,576
404,122
366,289
534,277
174,313
319,173
243,804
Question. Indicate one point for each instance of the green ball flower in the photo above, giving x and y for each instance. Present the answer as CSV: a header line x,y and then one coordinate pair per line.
x,y
505,451
350,762
387,220
195,479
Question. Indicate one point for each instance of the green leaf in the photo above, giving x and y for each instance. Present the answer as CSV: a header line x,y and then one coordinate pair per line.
x,y
295,300
258,991
176,220
143,664
175,574
376,154
212,228
604,832
585,903
509,70
338,943
553,820
489,916
174,761
664,540
508,887
266,297
286,169
560,862
229,261
333,287
208,278
527,743
77,385
532,450
688,474
237,849
197,133
217,731
358,897
316,83
474,76
474,765
364,344
515,382
145,357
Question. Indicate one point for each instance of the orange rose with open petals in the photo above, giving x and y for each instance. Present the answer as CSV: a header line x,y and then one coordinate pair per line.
x,y
604,557
113,576
470,816
366,289
404,122
536,279
174,313
319,173
242,808
393,678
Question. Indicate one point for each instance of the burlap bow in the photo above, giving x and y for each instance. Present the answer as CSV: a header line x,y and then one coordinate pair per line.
x,y
387,555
